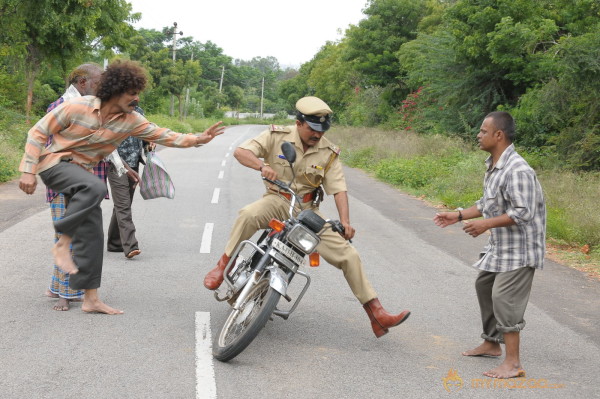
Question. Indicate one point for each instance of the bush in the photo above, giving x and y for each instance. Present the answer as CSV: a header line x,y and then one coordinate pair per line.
x,y
13,134
414,173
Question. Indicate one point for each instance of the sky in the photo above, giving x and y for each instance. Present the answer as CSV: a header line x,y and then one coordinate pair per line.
x,y
291,31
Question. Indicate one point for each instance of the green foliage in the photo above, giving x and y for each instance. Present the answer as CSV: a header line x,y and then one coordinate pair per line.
x,y
407,172
64,30
13,132
368,107
416,172
361,158
372,44
563,112
12,88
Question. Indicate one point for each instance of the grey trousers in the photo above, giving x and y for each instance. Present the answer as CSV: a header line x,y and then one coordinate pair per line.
x,y
503,299
82,220
121,230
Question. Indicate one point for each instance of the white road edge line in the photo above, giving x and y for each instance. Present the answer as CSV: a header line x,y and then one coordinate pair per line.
x,y
221,174
215,197
206,387
206,238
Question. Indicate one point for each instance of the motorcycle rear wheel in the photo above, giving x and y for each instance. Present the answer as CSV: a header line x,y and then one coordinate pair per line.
x,y
243,325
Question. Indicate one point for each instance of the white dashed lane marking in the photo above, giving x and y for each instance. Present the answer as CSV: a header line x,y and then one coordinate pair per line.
x,y
215,197
206,387
206,238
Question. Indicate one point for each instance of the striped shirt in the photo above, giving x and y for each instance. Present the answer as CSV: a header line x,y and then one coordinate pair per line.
x,y
80,136
99,170
511,187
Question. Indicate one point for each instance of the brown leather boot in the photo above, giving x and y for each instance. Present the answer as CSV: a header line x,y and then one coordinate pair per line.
x,y
381,320
214,278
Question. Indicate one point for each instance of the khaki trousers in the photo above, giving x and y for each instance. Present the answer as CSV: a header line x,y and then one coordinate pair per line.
x,y
333,247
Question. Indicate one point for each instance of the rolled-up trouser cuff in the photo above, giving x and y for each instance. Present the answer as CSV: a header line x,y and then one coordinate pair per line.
x,y
498,340
516,328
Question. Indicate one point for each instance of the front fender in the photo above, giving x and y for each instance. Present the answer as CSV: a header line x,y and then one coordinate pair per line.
x,y
277,280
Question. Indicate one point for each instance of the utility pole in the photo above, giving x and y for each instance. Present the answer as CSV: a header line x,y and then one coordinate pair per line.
x,y
221,85
187,95
262,92
174,33
222,73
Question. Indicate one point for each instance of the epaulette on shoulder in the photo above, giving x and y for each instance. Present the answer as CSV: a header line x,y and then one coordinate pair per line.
x,y
279,129
335,149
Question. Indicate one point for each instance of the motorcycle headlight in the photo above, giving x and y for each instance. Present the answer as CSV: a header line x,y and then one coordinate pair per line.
x,y
303,239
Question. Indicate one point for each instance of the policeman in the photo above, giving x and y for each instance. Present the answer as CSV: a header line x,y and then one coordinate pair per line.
x,y
317,168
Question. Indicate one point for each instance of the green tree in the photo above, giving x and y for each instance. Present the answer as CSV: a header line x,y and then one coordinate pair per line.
x,y
373,43
485,55
181,75
235,96
63,30
563,111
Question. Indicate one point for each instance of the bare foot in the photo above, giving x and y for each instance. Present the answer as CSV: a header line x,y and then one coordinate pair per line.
x,y
63,258
50,294
506,370
486,349
133,253
98,306
62,305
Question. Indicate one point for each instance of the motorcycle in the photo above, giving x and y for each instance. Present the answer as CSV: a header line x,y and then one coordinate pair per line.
x,y
259,273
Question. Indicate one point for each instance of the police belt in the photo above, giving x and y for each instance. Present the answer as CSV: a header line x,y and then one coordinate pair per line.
x,y
306,198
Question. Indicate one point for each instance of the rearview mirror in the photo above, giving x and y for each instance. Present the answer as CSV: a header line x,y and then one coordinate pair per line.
x,y
289,152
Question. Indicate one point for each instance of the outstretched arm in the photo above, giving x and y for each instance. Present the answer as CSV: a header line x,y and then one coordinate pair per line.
x,y
341,202
444,219
210,133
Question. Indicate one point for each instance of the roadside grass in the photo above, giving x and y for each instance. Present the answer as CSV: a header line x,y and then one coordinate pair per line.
x,y
448,173
13,134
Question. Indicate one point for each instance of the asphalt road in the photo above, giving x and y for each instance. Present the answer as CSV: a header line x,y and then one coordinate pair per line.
x,y
325,349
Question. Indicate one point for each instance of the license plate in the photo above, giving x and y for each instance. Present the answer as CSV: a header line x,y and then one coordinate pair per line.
x,y
288,252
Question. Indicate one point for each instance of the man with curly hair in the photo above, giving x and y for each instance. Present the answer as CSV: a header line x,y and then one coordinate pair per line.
x,y
85,130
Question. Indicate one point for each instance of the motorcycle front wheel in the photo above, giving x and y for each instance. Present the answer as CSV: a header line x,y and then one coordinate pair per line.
x,y
243,325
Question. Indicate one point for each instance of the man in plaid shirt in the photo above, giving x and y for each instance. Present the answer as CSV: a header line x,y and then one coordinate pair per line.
x,y
514,211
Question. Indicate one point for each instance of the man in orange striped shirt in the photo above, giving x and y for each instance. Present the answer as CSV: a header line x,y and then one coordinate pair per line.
x,y
85,130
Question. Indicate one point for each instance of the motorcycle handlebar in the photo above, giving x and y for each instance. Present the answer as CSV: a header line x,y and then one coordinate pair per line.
x,y
338,227
278,183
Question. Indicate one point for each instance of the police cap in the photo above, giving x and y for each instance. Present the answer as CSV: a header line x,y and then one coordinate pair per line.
x,y
315,112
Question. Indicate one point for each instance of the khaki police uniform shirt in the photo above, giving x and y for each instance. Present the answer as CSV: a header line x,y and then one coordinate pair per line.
x,y
309,166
